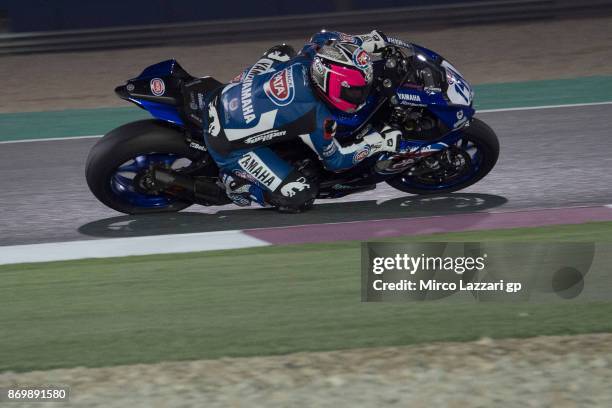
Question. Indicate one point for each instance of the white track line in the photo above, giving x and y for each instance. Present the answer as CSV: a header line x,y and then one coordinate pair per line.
x,y
50,139
526,108
113,247
572,105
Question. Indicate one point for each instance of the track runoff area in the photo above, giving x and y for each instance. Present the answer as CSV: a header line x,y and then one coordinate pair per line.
x,y
498,99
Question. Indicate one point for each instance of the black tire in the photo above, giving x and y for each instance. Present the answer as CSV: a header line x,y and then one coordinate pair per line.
x,y
125,143
479,133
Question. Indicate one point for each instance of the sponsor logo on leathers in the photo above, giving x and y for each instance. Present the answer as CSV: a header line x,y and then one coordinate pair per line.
x,y
290,189
265,136
253,165
361,154
263,65
280,88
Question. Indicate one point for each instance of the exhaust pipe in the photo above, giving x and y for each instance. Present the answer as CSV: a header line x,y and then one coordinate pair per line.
x,y
200,190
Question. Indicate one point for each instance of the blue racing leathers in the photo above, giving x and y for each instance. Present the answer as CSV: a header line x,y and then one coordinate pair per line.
x,y
271,102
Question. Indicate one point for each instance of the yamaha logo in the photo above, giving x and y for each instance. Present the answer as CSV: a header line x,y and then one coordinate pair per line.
x,y
406,97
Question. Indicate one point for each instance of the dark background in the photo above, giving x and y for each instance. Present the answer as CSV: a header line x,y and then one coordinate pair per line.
x,y
43,15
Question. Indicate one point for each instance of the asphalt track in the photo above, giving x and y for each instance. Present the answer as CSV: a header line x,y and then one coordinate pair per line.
x,y
550,158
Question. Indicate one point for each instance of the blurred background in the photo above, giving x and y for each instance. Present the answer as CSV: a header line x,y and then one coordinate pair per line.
x,y
41,25
82,50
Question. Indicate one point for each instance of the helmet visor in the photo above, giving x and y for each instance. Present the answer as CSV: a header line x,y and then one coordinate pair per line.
x,y
355,94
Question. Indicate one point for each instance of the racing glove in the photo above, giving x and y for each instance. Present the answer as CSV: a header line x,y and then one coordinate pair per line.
x,y
394,140
388,140
373,42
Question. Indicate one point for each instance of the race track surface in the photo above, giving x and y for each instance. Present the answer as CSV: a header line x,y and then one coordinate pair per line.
x,y
549,158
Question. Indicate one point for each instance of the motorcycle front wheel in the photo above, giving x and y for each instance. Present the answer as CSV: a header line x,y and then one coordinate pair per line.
x,y
466,162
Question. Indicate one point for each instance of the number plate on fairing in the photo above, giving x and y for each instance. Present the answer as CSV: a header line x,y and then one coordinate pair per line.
x,y
459,92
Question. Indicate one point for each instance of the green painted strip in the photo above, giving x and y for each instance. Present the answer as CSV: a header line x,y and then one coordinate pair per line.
x,y
543,93
65,123
82,122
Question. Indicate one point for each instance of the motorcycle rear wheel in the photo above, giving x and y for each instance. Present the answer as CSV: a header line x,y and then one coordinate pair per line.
x,y
129,149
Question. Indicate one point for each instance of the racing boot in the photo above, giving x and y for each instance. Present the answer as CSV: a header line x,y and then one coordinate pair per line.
x,y
241,192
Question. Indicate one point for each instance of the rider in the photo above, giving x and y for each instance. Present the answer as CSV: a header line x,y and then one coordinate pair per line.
x,y
283,97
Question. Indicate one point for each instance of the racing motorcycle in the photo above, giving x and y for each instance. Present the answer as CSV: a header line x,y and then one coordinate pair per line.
x,y
162,164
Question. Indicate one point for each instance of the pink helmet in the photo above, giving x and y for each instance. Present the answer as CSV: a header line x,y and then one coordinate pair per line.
x,y
342,73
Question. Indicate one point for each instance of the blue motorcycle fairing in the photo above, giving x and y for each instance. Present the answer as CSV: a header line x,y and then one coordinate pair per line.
x,y
431,55
168,72
459,90
161,111
161,69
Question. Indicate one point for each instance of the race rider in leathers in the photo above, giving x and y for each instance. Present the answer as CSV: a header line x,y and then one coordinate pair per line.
x,y
286,96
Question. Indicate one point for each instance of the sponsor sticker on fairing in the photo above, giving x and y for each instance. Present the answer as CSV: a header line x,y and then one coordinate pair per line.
x,y
158,87
459,92
461,120
280,88
398,42
409,98
257,168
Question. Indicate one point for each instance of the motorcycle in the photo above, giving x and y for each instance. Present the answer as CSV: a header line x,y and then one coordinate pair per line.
x,y
162,164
